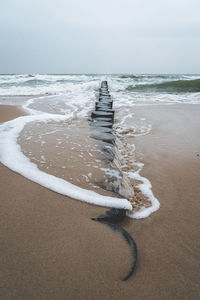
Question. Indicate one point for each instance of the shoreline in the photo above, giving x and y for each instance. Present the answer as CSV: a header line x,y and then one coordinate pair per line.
x,y
51,248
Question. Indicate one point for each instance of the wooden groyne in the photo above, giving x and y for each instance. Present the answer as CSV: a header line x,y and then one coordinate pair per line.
x,y
102,120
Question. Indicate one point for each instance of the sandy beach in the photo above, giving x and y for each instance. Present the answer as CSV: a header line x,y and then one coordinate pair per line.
x,y
9,112
51,249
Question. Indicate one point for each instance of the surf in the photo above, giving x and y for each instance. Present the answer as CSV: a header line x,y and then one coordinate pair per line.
x,y
176,86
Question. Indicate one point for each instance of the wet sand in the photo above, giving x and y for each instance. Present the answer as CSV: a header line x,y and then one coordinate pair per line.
x,y
50,248
9,112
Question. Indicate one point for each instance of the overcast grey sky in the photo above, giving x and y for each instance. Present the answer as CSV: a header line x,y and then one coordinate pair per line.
x,y
107,36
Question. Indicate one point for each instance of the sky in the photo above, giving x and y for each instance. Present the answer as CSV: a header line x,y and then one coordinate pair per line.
x,y
107,36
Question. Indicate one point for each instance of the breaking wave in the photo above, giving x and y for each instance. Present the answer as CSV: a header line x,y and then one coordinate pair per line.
x,y
177,86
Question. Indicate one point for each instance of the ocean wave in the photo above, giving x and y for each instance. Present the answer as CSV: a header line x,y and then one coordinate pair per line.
x,y
34,82
24,82
150,76
45,84
177,86
128,76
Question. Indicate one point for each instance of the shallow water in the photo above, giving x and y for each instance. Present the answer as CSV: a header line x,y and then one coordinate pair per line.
x,y
56,139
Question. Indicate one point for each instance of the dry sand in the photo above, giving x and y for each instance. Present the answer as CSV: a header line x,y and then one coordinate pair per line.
x,y
50,248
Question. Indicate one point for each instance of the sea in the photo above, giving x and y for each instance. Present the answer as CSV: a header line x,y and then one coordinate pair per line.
x,y
52,145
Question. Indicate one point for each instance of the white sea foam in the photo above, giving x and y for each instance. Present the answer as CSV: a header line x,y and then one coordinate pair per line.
x,y
12,157
44,84
146,188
